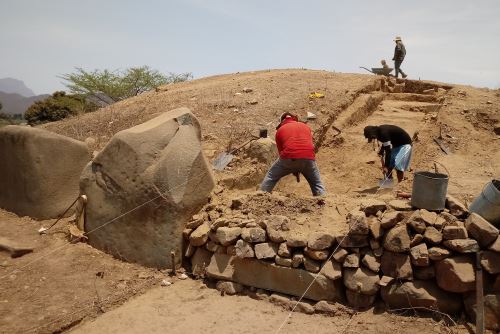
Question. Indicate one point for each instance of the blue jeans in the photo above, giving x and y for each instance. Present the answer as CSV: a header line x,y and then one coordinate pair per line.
x,y
283,167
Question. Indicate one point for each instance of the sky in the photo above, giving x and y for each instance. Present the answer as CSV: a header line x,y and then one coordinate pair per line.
x,y
455,41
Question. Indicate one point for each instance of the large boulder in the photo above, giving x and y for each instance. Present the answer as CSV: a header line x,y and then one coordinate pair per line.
x,y
39,171
456,274
144,185
421,294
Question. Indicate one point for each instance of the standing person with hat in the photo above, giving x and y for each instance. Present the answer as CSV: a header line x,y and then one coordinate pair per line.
x,y
296,155
399,56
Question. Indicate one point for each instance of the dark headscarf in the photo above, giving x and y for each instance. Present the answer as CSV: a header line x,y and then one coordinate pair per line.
x,y
371,132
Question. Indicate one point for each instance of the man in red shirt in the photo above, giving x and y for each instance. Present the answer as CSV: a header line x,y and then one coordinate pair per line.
x,y
296,150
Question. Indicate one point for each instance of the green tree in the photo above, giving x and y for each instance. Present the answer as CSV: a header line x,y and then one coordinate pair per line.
x,y
56,107
108,87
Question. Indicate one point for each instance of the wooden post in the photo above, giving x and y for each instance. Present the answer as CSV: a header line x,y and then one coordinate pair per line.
x,y
479,296
172,259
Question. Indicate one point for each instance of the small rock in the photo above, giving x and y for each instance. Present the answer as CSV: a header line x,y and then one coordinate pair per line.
x,y
340,254
182,276
396,265
228,235
481,230
190,249
358,223
462,245
371,262
297,259
325,307
400,205
351,261
229,288
390,219
424,273
304,308
359,300
247,90
352,240
432,236
319,255
165,282
361,280
200,235
253,234
283,261
375,228
456,274
296,239
312,265
438,253
397,239
495,246
320,240
456,207
417,239
243,249
454,232
284,250
265,250
491,262
385,280
332,270
211,246
419,255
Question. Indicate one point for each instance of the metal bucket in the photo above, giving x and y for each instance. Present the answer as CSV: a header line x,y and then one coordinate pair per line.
x,y
429,190
487,204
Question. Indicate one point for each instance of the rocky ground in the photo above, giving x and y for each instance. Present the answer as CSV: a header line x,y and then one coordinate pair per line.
x,y
60,283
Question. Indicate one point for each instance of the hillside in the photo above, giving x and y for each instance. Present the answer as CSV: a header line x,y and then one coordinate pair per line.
x,y
14,103
15,86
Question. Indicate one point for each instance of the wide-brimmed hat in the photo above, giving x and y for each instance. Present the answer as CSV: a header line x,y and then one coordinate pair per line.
x,y
398,38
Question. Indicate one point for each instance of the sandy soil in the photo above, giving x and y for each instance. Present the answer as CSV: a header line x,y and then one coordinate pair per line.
x,y
190,307
61,284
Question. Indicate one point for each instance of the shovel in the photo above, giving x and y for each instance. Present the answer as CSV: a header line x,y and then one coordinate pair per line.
x,y
225,158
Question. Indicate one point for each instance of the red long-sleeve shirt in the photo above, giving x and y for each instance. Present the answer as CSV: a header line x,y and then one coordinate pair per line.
x,y
294,140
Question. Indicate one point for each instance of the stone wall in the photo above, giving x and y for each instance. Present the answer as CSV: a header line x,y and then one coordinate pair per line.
x,y
405,257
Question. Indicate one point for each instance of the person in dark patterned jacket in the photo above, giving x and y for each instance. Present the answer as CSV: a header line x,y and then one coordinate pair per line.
x,y
399,56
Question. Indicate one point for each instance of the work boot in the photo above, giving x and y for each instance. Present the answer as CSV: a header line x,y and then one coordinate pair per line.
x,y
404,76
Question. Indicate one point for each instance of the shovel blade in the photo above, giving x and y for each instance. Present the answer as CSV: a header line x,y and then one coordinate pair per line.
x,y
386,183
222,161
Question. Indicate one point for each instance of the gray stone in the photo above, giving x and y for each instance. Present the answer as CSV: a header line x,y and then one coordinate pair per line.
x,y
433,236
340,254
283,261
390,219
371,206
462,245
297,260
243,249
265,250
264,275
351,261
277,228
419,255
319,255
228,287
481,230
358,223
160,157
361,280
296,239
396,265
332,270
456,207
400,205
284,250
424,273
228,235
371,262
200,261
40,172
253,234
359,300
199,236
438,253
421,293
454,232
312,265
320,240
456,274
491,262
397,239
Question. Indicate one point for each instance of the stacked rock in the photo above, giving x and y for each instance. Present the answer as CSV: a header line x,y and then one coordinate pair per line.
x,y
410,258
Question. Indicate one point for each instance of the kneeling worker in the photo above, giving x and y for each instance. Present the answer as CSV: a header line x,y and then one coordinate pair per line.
x,y
296,150
396,148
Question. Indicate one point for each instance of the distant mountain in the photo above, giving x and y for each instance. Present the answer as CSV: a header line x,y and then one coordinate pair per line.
x,y
16,104
11,85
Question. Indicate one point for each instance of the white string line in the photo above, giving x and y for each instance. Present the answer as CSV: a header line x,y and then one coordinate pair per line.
x,y
333,252
101,226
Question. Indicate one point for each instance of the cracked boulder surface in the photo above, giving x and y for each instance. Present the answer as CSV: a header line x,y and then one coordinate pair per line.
x,y
158,173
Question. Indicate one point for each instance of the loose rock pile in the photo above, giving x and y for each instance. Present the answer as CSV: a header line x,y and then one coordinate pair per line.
x,y
410,258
